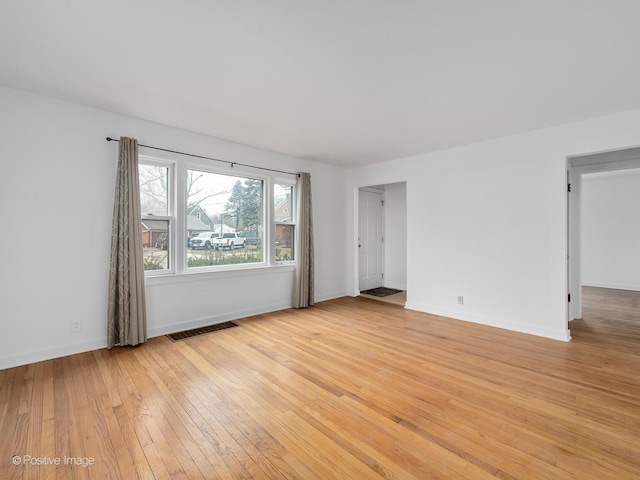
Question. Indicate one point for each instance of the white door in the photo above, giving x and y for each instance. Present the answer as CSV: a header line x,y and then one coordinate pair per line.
x,y
370,240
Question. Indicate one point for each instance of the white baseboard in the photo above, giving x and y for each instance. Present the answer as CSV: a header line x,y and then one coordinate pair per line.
x,y
223,317
228,316
562,335
329,296
98,343
51,353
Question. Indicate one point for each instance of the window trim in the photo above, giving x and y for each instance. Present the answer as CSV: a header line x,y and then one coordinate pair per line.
x,y
170,217
237,173
293,222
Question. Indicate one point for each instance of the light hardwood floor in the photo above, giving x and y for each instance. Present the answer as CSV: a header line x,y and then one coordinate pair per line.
x,y
348,389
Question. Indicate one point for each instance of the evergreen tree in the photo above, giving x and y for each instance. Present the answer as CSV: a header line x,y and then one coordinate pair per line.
x,y
252,204
235,202
245,204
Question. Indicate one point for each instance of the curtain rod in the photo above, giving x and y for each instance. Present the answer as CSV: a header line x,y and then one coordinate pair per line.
x,y
109,139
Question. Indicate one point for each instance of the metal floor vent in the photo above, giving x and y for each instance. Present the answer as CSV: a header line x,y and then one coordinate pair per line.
x,y
200,331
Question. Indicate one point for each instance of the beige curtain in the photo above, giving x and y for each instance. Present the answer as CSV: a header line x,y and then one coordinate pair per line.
x,y
303,281
126,313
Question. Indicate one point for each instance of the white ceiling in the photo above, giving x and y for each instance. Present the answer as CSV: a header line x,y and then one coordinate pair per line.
x,y
348,82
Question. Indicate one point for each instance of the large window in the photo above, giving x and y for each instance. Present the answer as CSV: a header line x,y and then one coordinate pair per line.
x,y
157,223
197,217
224,216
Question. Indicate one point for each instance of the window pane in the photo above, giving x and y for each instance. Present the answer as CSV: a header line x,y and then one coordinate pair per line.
x,y
224,219
285,242
283,203
154,190
283,216
154,201
155,243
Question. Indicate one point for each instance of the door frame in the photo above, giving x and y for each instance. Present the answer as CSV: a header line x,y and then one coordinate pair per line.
x,y
578,165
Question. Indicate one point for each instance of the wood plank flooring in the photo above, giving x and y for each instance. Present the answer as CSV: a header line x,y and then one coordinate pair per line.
x,y
348,389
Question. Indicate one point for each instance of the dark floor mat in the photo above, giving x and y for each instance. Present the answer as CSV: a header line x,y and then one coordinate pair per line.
x,y
381,291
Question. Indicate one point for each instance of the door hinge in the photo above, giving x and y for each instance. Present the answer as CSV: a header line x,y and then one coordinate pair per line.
x,y
383,276
382,201
568,187
569,298
382,240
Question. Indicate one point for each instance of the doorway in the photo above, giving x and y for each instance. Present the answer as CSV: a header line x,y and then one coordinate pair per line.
x,y
382,239
577,167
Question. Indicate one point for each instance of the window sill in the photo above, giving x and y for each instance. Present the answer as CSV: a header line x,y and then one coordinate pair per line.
x,y
207,275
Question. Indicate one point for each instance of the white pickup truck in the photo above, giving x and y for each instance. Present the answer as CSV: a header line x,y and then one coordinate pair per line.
x,y
228,240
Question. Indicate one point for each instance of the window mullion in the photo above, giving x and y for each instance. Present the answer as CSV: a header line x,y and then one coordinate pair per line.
x,y
270,227
179,214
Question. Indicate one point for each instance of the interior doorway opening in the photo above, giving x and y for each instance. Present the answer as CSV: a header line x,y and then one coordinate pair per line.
x,y
606,164
382,242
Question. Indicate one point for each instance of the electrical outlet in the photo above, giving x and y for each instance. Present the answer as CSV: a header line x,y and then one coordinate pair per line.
x,y
460,300
75,325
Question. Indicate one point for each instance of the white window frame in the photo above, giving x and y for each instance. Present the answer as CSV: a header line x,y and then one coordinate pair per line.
x,y
170,218
235,172
178,168
292,222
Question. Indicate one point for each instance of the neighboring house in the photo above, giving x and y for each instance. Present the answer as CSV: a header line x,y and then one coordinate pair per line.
x,y
281,209
195,225
151,230
282,212
198,212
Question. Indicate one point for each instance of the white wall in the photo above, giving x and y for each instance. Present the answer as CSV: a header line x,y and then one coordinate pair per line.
x,y
56,192
395,237
611,229
488,221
